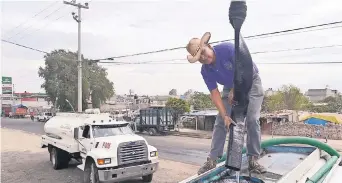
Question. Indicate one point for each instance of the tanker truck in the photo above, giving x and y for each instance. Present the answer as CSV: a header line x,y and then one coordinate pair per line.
x,y
107,150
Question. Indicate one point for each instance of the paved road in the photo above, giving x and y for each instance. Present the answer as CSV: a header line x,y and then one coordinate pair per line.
x,y
182,149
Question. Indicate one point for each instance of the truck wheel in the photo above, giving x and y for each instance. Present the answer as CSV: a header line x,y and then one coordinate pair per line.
x,y
59,158
147,178
152,131
91,174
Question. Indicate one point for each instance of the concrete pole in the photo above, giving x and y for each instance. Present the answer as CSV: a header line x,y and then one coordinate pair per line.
x,y
79,94
79,55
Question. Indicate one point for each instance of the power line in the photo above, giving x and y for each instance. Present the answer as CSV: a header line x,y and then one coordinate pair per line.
x,y
262,63
296,49
50,5
181,59
48,23
290,33
247,37
41,51
253,53
27,47
56,10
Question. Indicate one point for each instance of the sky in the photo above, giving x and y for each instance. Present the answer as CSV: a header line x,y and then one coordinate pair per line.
x,y
114,28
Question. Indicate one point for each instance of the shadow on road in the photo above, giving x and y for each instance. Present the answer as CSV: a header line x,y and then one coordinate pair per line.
x,y
28,167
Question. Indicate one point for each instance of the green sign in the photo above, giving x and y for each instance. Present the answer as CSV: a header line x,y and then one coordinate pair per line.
x,y
6,80
7,90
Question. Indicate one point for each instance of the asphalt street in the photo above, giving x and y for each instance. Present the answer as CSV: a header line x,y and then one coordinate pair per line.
x,y
182,149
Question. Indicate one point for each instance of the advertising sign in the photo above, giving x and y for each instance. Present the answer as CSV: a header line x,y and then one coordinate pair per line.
x,y
6,80
7,89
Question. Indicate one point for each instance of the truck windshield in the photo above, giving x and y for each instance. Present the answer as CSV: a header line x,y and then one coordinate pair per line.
x,y
111,130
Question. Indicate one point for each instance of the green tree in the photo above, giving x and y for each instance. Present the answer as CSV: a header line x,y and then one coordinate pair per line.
x,y
178,105
329,104
201,100
173,92
287,97
60,80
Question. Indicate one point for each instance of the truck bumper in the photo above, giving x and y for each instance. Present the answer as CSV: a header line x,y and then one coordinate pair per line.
x,y
127,173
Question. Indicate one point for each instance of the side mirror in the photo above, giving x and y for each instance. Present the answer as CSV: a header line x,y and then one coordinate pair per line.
x,y
76,133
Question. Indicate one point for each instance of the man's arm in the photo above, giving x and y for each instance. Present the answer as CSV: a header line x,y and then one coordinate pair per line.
x,y
214,92
217,100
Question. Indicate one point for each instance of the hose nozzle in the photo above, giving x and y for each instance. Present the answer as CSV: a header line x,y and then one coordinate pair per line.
x,y
237,13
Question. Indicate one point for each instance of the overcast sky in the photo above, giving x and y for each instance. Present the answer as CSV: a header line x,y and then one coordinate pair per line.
x,y
113,28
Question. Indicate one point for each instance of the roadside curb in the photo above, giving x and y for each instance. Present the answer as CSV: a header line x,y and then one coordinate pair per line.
x,y
193,135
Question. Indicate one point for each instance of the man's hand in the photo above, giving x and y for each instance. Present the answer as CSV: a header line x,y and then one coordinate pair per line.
x,y
227,120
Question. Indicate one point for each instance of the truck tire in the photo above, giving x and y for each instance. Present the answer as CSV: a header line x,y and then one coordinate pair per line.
x,y
59,158
147,178
152,131
91,174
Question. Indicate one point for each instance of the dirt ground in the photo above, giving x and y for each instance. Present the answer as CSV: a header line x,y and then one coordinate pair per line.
x,y
22,160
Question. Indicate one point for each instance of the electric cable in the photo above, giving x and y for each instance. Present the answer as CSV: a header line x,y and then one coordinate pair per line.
x,y
262,63
246,37
48,23
56,10
50,5
254,53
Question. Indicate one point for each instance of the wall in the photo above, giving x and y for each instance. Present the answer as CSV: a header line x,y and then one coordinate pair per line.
x,y
333,132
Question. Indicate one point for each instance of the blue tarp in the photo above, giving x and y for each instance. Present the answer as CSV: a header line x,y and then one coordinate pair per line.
x,y
315,121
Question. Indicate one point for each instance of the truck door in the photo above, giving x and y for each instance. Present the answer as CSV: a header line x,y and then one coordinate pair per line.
x,y
86,140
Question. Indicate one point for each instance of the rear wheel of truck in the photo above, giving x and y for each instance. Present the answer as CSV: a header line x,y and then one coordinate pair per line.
x,y
147,178
91,174
59,158
152,131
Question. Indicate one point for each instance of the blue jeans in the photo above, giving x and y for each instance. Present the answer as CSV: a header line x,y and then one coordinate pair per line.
x,y
256,96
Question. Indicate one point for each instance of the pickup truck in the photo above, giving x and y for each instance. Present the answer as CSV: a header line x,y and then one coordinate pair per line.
x,y
107,150
45,116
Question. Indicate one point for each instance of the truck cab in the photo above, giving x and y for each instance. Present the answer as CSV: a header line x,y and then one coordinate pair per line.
x,y
108,150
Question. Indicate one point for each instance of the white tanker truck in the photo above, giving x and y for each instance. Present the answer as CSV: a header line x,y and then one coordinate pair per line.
x,y
107,150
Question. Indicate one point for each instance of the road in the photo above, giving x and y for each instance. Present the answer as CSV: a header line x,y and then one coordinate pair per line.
x,y
22,160
182,149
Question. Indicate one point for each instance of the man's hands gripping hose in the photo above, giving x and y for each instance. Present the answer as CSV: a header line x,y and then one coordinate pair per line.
x,y
228,121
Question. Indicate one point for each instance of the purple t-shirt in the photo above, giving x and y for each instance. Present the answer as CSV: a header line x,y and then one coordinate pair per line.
x,y
222,71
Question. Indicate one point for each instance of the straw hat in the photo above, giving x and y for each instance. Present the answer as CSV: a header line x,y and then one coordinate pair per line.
x,y
196,46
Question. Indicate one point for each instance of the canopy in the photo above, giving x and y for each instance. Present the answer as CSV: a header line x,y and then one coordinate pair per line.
x,y
329,117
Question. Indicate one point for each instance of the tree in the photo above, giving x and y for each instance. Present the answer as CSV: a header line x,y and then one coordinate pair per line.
x,y
178,105
329,104
201,101
189,92
173,92
287,97
60,80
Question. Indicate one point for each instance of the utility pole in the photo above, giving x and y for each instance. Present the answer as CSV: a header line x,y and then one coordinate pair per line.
x,y
78,19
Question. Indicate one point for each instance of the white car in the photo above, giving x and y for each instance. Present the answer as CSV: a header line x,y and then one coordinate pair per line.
x,y
43,117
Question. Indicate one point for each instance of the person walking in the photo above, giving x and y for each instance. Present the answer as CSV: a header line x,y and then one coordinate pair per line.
x,y
218,67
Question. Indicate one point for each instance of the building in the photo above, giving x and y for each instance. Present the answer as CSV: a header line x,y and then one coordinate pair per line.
x,y
317,95
199,120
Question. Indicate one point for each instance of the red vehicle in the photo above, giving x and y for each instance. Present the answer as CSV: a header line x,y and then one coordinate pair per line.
x,y
6,109
19,111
